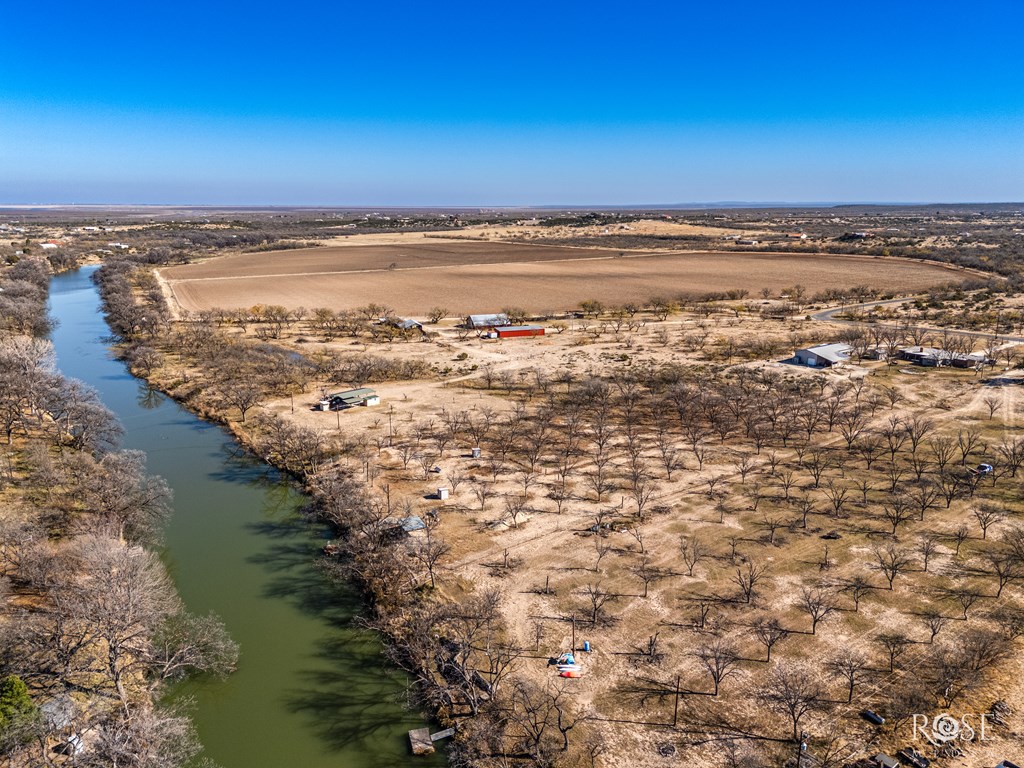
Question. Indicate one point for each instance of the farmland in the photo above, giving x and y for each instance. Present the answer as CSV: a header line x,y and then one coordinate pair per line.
x,y
412,278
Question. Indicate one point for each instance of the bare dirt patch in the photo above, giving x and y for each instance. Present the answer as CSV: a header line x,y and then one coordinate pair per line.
x,y
474,276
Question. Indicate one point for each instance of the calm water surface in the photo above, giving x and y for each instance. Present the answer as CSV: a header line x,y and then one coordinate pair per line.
x,y
310,690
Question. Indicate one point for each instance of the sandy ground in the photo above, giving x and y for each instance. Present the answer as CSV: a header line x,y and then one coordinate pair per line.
x,y
559,550
331,278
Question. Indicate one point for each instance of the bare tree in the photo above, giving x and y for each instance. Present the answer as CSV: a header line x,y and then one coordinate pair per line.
x,y
693,551
934,621
896,511
892,561
429,551
241,394
1005,567
819,605
857,587
483,490
927,547
792,689
768,633
895,645
598,598
647,573
987,516
747,578
850,666
719,658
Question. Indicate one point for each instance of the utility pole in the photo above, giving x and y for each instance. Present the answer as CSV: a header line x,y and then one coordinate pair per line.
x,y
675,709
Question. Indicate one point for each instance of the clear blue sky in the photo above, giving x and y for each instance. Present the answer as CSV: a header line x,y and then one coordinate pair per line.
x,y
454,103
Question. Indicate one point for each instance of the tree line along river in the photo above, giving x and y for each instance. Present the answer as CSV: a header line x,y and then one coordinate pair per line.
x,y
311,688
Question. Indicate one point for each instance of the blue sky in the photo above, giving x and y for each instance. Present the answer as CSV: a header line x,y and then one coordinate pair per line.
x,y
480,104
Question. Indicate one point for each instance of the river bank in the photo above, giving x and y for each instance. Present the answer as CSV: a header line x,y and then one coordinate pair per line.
x,y
311,688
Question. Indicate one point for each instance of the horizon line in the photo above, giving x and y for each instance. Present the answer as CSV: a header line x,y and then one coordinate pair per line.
x,y
543,206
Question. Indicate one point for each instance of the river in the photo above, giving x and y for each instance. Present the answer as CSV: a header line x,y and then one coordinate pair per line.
x,y
311,689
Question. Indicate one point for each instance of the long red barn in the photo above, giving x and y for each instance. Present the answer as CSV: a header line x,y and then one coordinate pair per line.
x,y
510,331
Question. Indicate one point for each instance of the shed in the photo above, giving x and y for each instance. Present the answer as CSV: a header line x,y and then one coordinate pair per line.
x,y
487,321
882,760
929,356
510,331
824,355
405,325
935,357
349,399
412,523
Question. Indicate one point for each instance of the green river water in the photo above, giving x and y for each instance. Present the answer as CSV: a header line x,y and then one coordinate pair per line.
x,y
311,689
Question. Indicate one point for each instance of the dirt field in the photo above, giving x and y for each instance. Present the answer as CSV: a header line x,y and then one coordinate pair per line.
x,y
478,276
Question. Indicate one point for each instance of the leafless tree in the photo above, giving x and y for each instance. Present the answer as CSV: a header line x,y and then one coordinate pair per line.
x,y
792,689
719,658
934,621
992,403
927,547
747,578
960,535
967,441
598,598
429,551
601,547
768,633
892,561
897,510
850,666
967,597
987,516
693,551
648,573
241,394
857,587
483,490
1005,567
895,645
819,604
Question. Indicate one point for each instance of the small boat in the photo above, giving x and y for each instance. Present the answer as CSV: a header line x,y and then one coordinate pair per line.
x,y
571,673
569,668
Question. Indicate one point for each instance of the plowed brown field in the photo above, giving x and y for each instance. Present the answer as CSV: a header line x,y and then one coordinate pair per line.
x,y
480,276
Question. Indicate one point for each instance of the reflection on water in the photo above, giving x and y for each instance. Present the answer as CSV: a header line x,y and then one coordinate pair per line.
x,y
312,688
149,398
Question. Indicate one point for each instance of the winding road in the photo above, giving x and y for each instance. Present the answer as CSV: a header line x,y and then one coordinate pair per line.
x,y
829,316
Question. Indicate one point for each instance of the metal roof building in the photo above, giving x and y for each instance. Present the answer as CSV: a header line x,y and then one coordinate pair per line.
x,y
349,398
824,355
487,321
508,331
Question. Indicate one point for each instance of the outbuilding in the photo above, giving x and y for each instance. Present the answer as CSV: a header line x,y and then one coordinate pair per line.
x,y
824,355
511,331
405,324
349,399
935,357
487,321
